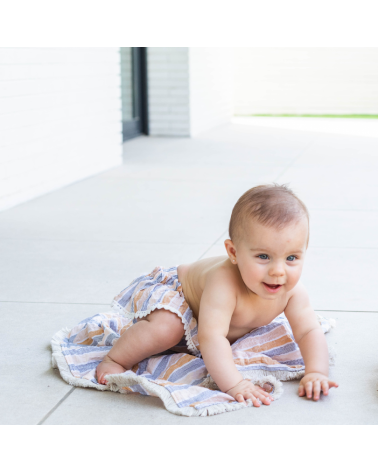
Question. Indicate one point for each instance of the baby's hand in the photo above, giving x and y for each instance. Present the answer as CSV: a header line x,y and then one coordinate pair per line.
x,y
316,383
246,389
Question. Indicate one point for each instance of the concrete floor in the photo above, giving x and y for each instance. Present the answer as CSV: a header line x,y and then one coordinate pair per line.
x,y
65,255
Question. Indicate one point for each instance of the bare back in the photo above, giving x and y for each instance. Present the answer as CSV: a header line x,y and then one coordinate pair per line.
x,y
251,311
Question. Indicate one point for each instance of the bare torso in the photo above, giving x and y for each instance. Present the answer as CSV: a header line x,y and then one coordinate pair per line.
x,y
251,311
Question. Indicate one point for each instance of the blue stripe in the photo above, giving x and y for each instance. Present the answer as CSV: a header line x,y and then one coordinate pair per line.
x,y
202,396
159,368
84,367
139,389
269,368
146,302
126,296
110,339
78,350
285,349
174,388
185,369
142,367
299,361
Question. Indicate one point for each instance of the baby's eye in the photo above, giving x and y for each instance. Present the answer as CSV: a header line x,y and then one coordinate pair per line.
x,y
263,256
291,258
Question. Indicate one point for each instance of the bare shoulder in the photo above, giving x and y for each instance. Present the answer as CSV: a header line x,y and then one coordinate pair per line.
x,y
220,287
218,301
298,295
224,275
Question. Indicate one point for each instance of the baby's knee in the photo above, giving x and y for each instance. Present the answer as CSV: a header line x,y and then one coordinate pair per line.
x,y
168,325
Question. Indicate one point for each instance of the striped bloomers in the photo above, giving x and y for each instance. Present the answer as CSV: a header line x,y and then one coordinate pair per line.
x,y
160,289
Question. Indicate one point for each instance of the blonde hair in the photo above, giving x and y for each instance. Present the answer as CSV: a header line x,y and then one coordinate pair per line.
x,y
271,205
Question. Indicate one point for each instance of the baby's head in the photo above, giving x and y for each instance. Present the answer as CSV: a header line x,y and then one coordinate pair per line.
x,y
269,231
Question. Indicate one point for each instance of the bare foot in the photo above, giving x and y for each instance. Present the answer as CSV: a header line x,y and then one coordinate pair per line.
x,y
108,366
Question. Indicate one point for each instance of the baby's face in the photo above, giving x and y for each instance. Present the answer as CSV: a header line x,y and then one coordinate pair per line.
x,y
270,260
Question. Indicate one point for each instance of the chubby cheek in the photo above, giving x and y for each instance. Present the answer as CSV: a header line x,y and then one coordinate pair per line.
x,y
293,276
253,273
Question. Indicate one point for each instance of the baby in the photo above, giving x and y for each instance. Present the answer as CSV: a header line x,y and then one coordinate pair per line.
x,y
228,296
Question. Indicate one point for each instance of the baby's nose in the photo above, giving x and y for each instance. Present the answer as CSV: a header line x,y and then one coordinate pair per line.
x,y
277,271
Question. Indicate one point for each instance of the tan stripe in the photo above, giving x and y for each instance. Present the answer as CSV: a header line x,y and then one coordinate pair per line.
x,y
182,361
218,397
184,307
270,345
91,335
289,356
137,297
131,391
168,297
256,360
266,337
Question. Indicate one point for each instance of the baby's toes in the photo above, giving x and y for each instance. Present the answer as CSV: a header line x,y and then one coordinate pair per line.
x,y
100,378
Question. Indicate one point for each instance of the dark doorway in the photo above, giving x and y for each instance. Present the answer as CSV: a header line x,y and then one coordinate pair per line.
x,y
134,92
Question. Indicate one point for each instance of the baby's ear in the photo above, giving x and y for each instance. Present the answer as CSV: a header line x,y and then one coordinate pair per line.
x,y
230,248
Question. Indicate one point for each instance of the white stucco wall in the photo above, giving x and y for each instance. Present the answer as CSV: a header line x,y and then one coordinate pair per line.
x,y
306,80
60,118
211,88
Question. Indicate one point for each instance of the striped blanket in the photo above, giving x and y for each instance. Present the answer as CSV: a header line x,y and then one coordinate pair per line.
x,y
266,355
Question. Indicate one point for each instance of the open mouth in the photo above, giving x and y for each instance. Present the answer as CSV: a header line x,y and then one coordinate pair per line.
x,y
272,288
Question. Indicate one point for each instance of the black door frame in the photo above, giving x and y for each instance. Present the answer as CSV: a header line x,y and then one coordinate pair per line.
x,y
139,124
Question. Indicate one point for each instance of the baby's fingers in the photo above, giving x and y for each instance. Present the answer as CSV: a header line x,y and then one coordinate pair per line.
x,y
249,396
325,387
261,393
332,384
327,384
264,398
239,398
308,388
255,401
301,390
316,390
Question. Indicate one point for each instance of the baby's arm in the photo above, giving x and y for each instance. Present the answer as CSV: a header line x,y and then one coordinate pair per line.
x,y
217,305
310,338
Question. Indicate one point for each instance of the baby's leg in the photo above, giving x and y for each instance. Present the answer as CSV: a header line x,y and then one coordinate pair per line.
x,y
157,332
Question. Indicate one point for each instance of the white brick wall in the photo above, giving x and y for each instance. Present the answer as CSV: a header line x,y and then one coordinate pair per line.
x,y
306,80
211,87
168,91
190,89
126,80
60,118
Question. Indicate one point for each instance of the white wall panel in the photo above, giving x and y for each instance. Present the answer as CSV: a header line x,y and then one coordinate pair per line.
x,y
60,118
211,88
306,80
